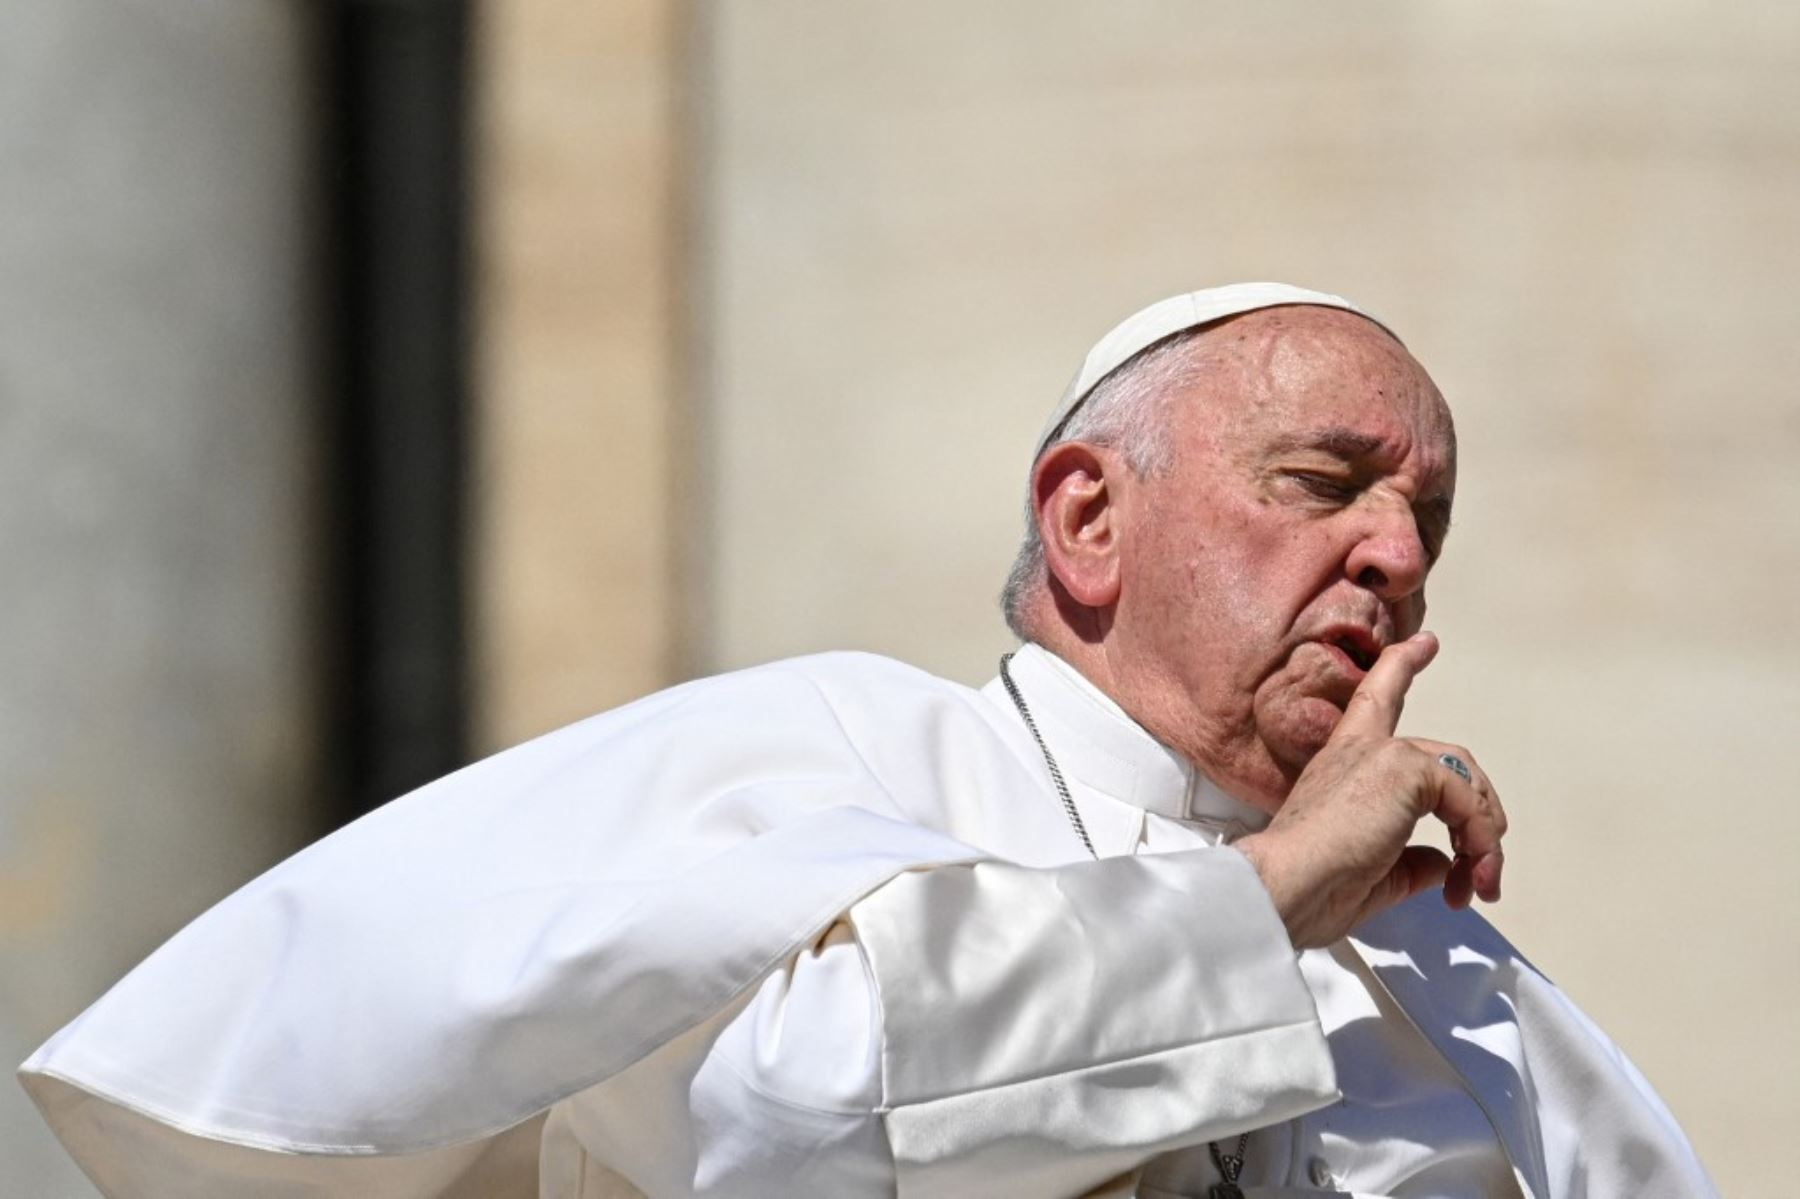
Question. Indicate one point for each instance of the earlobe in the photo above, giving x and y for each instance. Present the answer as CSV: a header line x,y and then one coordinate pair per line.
x,y
1077,517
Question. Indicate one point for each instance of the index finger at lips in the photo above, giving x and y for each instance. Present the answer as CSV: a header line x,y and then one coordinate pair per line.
x,y
1374,710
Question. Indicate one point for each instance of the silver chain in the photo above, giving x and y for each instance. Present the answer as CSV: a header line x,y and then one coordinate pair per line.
x,y
1229,1165
1062,788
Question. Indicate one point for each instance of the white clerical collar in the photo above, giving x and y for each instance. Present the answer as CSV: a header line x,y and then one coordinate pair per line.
x,y
1096,742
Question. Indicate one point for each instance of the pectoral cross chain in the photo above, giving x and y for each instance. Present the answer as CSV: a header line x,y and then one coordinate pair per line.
x,y
1229,1165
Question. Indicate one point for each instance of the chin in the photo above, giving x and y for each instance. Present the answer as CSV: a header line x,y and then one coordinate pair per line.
x,y
1302,731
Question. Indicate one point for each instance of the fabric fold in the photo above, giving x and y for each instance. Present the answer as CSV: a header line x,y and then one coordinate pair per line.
x,y
1106,1011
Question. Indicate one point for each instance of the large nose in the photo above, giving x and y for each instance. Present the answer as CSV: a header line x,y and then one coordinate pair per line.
x,y
1390,557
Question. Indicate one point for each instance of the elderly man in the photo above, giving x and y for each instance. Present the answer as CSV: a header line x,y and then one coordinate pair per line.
x,y
1140,917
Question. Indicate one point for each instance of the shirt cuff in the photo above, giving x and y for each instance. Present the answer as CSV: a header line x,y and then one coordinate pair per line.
x,y
1054,1027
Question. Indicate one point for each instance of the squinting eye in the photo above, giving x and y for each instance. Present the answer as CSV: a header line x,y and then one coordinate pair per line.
x,y
1324,486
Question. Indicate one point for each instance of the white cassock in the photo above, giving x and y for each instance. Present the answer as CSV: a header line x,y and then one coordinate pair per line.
x,y
823,928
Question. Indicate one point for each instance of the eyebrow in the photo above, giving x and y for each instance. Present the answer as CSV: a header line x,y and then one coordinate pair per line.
x,y
1348,443
1340,440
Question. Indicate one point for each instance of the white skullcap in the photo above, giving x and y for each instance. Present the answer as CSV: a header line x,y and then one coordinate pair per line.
x,y
1165,318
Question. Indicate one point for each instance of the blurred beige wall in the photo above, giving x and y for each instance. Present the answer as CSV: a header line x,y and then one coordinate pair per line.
x,y
579,411
900,229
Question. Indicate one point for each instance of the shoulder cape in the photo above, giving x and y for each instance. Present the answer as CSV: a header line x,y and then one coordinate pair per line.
x,y
461,959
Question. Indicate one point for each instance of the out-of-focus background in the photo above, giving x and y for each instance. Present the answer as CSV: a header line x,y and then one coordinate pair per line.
x,y
384,382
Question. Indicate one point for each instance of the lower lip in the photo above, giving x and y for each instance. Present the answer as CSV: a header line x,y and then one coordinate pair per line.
x,y
1344,659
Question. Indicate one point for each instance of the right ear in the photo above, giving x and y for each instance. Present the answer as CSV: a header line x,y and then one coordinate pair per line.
x,y
1072,495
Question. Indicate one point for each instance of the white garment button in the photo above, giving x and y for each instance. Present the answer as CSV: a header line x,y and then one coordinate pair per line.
x,y
1320,1173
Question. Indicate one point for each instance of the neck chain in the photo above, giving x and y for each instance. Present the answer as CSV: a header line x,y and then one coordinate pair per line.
x,y
1229,1165
1062,788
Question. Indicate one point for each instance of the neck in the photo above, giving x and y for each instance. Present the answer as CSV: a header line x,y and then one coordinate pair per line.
x,y
1100,747
1258,781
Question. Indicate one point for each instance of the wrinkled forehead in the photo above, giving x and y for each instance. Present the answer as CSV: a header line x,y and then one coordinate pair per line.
x,y
1307,362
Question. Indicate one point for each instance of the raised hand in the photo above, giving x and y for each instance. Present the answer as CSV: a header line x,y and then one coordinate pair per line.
x,y
1338,850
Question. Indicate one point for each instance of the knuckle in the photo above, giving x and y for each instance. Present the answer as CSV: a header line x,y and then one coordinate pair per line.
x,y
1397,752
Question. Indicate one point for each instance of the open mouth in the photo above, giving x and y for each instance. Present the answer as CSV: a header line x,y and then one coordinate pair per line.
x,y
1359,651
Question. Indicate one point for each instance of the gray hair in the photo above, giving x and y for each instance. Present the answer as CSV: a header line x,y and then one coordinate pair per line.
x,y
1127,411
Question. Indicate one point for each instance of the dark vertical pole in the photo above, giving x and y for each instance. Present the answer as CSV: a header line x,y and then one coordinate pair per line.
x,y
396,95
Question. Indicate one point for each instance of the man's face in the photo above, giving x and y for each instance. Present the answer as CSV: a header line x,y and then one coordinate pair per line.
x,y
1288,543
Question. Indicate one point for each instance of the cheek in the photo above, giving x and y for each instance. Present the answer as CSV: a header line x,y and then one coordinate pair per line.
x,y
1295,716
1224,586
1236,622
1235,582
1271,578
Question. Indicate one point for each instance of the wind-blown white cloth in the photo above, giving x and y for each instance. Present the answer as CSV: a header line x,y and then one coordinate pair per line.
x,y
654,897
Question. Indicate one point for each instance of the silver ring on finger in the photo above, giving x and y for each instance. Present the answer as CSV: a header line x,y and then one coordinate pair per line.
x,y
1457,766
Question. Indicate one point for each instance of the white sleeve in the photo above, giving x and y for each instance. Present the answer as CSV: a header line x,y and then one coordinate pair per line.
x,y
780,1095
991,1029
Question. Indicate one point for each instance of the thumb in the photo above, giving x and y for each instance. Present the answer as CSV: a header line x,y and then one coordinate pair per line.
x,y
1418,867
